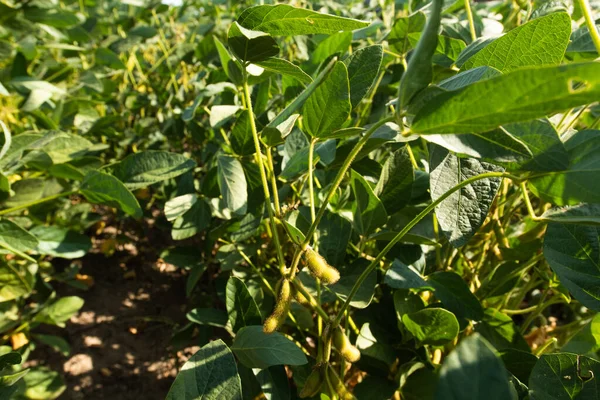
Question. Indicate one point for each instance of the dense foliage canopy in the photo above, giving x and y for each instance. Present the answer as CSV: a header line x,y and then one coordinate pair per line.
x,y
371,199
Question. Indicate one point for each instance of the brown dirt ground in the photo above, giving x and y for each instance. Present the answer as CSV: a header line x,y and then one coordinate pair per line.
x,y
120,339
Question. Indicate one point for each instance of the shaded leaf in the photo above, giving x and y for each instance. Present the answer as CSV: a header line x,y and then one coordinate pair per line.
x,y
256,349
209,374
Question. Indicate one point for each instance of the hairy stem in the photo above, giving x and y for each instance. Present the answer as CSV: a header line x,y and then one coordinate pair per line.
x,y
263,177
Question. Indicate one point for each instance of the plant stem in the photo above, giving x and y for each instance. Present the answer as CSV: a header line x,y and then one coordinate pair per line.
x,y
530,209
470,18
263,176
407,229
333,189
300,287
589,21
273,182
311,193
311,184
36,202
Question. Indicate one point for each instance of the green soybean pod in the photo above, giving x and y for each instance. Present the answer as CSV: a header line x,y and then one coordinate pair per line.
x,y
419,72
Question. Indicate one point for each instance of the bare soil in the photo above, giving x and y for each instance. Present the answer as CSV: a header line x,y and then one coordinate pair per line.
x,y
120,341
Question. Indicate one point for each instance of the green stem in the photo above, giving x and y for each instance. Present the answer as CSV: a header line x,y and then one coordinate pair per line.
x,y
311,193
333,189
263,176
589,21
36,202
528,204
300,287
273,182
311,184
367,271
470,18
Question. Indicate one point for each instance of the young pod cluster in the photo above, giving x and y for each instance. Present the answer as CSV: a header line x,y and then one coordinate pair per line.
x,y
314,382
343,345
282,306
319,267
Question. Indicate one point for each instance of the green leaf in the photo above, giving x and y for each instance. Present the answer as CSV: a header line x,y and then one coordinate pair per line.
x,y
60,311
369,212
455,295
56,342
179,205
463,212
194,221
13,237
299,101
518,96
210,374
241,307
542,140
208,316
465,78
500,330
581,214
220,114
251,45
284,67
61,242
564,376
419,71
338,43
395,183
473,369
402,276
573,253
145,168
334,234
349,275
256,349
275,135
373,349
542,41
398,37
363,70
230,66
434,326
446,51
43,383
284,20
497,145
274,382
65,148
106,57
55,17
241,138
232,183
328,107
102,188
578,183
15,281
587,340
193,278
10,358
581,41
28,190
297,164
